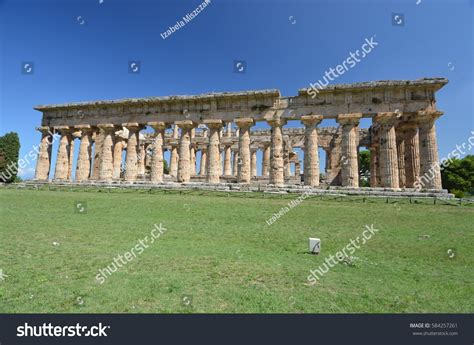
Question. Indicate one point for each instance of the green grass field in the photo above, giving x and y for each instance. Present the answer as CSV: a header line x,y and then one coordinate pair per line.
x,y
219,255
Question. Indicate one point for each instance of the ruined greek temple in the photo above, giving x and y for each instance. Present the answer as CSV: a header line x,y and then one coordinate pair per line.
x,y
114,146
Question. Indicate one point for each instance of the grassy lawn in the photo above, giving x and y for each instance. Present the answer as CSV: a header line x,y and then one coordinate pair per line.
x,y
222,256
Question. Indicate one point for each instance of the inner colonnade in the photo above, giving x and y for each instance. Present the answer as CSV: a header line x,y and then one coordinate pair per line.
x,y
218,131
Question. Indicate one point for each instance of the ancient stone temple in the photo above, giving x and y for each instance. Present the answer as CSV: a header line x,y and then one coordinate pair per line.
x,y
116,146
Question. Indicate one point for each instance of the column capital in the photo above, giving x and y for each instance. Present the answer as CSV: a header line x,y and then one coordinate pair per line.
x,y
387,117
244,122
62,129
158,125
311,120
276,122
186,124
106,127
428,115
83,127
43,129
349,119
132,125
407,125
213,123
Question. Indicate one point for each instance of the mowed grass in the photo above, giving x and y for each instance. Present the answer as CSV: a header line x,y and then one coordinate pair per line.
x,y
222,256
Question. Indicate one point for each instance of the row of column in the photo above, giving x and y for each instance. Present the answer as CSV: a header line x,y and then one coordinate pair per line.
x,y
395,158
106,163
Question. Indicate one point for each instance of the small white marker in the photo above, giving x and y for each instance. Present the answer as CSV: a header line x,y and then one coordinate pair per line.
x,y
314,245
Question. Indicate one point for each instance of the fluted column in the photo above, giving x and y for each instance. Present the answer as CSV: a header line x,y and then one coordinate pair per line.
x,y
277,174
388,150
118,148
184,172
235,164
227,160
373,166
98,137
253,162
131,159
62,160
266,161
192,154
286,175
141,159
74,135
401,156
106,172
412,153
228,151
43,163
243,171
311,154
429,159
83,168
174,153
213,168
350,166
156,174
202,169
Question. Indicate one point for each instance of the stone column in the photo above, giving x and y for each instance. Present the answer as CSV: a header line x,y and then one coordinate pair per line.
x,y
98,139
412,153
266,161
253,162
202,169
83,168
400,137
229,129
228,151
62,160
373,166
156,174
286,162
277,175
131,159
430,173
350,166
235,164
43,163
174,153
118,148
74,134
227,160
184,172
106,170
141,158
192,154
174,160
243,171
213,168
388,150
311,154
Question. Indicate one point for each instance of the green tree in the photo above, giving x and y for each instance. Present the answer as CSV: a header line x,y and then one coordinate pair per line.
x,y
364,168
166,169
458,176
9,152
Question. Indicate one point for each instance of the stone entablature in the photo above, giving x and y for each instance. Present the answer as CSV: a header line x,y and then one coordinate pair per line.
x,y
402,138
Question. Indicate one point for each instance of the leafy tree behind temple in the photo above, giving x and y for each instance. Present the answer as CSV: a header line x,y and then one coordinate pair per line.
x,y
458,176
9,152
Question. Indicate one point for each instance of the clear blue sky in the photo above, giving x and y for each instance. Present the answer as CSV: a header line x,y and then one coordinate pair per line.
x,y
89,61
